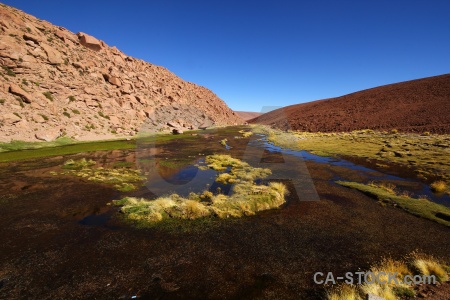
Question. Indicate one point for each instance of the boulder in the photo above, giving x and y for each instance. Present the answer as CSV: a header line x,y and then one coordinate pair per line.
x,y
10,118
127,89
53,56
38,118
48,136
10,48
89,41
113,80
173,124
22,124
204,126
18,91
149,112
30,37
114,120
91,103
90,90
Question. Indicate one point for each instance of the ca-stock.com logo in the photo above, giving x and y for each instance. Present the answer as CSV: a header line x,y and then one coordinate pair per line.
x,y
171,163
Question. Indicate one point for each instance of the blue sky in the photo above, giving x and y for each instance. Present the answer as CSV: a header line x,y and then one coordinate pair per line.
x,y
269,53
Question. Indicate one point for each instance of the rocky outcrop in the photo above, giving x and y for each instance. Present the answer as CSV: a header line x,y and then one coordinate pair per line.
x,y
90,41
18,91
52,79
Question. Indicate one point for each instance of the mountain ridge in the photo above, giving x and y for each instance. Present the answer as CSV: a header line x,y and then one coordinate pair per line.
x,y
54,82
418,105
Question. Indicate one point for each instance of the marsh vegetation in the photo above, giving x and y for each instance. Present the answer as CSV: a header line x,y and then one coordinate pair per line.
x,y
246,199
386,194
123,178
199,247
413,264
427,155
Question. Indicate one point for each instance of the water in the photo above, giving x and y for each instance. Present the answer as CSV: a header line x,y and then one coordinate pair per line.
x,y
420,189
61,239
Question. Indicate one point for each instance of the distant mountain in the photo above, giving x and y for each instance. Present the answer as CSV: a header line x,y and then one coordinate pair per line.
x,y
247,115
412,106
55,82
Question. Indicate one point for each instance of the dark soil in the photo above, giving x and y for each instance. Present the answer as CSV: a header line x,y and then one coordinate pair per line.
x,y
413,106
50,251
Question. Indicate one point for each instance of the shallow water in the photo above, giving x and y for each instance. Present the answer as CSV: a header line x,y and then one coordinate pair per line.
x,y
60,239
419,189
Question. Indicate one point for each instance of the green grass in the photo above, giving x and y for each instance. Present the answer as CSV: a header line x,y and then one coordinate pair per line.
x,y
124,164
224,142
66,114
426,155
419,207
246,134
19,150
44,117
72,98
48,95
175,163
20,101
247,197
76,111
78,164
123,179
2,101
8,71
101,114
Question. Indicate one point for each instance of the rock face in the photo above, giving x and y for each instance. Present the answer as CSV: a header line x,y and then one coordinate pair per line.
x,y
52,79
90,41
412,106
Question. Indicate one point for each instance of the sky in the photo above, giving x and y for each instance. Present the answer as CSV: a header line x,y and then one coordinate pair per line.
x,y
255,54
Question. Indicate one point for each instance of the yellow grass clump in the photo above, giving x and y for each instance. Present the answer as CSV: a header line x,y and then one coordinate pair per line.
x,y
123,179
245,134
429,266
344,292
246,198
413,264
438,186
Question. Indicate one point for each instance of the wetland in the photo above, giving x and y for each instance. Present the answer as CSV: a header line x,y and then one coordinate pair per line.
x,y
63,237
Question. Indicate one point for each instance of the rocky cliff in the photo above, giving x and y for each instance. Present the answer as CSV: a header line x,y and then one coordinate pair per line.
x,y
54,82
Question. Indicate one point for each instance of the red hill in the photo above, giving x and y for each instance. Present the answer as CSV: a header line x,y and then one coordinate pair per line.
x,y
411,106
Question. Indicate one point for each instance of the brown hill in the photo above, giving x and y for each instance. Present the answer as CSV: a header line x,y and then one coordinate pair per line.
x,y
247,115
411,106
53,81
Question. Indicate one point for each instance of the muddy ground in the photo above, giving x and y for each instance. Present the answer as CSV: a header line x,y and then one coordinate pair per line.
x,y
60,239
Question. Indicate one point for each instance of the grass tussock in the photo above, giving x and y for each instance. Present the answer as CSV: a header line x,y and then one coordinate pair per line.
x,y
388,187
439,186
347,292
419,207
123,179
428,265
246,198
413,264
426,154
224,142
246,134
